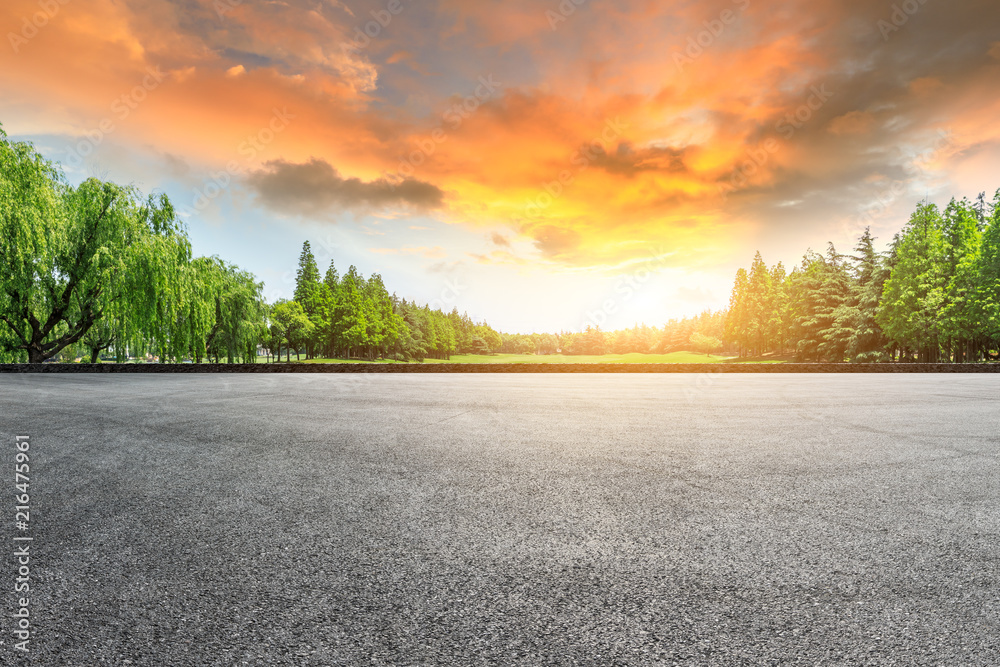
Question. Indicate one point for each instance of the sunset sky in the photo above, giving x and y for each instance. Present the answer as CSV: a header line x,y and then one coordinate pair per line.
x,y
539,164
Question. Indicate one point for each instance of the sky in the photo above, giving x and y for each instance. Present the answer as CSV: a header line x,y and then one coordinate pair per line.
x,y
543,165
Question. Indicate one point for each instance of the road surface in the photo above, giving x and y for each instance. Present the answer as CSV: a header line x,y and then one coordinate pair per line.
x,y
506,519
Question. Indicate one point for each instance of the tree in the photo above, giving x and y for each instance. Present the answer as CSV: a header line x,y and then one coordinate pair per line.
x,y
986,298
816,290
962,327
738,316
705,344
351,317
272,335
73,255
779,324
100,337
289,325
309,293
307,278
224,312
855,318
494,340
592,341
914,295
760,307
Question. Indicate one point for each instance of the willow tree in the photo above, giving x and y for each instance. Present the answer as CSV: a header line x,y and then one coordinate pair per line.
x,y
240,311
74,255
30,214
100,337
224,312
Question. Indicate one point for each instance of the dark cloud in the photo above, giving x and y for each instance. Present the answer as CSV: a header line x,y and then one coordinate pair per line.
x,y
628,161
499,239
554,242
316,187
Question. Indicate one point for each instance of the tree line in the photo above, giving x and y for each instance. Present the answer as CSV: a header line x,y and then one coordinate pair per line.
x,y
702,333
351,316
98,269
934,296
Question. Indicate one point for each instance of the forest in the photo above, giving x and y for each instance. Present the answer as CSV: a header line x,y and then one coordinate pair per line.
x,y
933,297
97,271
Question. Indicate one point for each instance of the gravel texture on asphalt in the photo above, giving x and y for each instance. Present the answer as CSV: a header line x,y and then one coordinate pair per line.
x,y
369,519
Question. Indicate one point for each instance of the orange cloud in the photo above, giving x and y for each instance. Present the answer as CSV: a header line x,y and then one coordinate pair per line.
x,y
927,85
596,144
853,122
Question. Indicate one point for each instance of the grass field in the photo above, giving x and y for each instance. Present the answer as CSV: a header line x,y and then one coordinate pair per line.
x,y
631,358
344,361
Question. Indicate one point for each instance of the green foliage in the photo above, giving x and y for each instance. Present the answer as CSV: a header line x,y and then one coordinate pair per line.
x,y
933,297
816,291
225,309
290,326
97,268
985,308
75,255
855,321
913,297
705,344
757,320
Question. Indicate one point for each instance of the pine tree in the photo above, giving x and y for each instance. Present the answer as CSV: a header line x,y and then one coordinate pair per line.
x,y
986,300
816,290
759,306
866,341
737,325
308,293
914,295
961,327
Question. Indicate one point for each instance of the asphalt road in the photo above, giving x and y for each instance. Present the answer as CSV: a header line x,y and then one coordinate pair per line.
x,y
506,519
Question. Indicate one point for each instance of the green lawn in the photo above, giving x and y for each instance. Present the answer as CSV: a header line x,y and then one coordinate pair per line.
x,y
342,361
631,358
